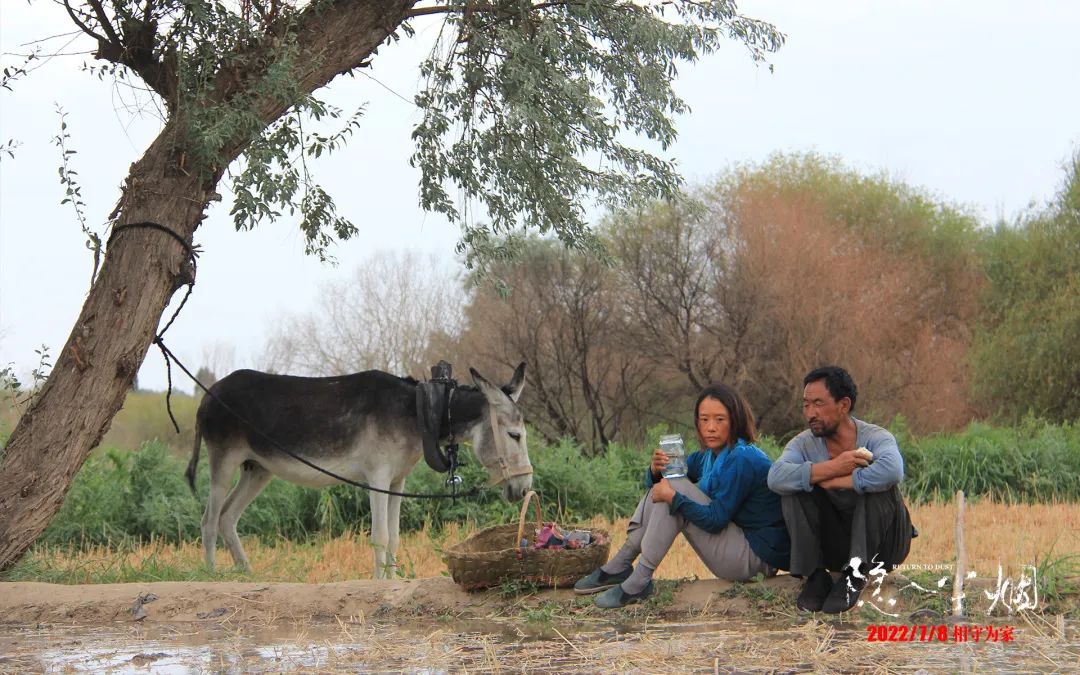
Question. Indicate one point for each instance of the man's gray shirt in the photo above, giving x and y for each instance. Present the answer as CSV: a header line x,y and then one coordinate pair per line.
x,y
791,472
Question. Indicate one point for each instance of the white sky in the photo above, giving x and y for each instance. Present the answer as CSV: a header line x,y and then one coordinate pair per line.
x,y
975,101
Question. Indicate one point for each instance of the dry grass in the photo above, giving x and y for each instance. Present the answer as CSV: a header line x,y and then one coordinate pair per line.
x,y
421,646
994,533
1012,535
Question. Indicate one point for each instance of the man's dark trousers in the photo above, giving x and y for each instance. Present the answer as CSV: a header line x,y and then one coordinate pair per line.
x,y
830,527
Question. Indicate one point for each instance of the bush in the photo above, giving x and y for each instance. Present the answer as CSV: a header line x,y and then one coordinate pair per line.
x,y
1031,462
138,495
142,494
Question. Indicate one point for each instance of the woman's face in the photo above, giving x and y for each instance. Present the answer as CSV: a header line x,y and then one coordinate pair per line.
x,y
713,423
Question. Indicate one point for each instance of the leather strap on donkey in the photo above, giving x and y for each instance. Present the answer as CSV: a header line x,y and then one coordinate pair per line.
x,y
433,416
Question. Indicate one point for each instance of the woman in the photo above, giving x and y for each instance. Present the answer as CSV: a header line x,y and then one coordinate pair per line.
x,y
723,508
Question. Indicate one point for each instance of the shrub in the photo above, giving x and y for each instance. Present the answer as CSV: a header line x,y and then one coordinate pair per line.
x,y
136,495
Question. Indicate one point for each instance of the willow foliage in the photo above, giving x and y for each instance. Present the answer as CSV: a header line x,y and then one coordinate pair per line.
x,y
1026,358
527,107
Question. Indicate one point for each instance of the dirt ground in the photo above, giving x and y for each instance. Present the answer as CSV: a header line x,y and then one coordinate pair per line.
x,y
432,625
30,603
269,603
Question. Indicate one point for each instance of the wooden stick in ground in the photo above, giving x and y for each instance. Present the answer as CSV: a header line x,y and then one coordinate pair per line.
x,y
961,558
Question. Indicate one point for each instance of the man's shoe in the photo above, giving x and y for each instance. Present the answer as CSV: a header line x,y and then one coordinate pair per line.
x,y
617,597
844,594
599,580
814,591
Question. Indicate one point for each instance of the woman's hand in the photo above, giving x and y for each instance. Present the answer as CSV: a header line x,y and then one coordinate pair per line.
x,y
663,491
659,461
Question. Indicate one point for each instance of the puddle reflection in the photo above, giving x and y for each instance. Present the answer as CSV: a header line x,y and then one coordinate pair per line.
x,y
444,647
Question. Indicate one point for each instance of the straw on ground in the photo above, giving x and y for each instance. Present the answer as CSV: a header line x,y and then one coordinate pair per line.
x,y
1009,535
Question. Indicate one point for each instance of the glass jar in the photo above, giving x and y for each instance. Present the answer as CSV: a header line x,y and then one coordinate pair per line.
x,y
672,446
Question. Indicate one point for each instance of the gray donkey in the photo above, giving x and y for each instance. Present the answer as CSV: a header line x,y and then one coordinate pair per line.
x,y
371,427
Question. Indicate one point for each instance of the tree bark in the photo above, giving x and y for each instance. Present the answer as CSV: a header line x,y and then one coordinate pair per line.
x,y
94,371
141,271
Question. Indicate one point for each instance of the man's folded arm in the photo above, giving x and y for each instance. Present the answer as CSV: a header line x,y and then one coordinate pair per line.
x,y
790,473
886,470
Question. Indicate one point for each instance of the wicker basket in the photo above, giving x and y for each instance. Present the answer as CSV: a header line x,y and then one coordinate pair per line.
x,y
492,556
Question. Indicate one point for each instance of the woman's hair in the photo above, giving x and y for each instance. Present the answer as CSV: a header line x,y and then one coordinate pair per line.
x,y
741,417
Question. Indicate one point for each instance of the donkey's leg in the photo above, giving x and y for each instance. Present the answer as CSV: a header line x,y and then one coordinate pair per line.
x,y
222,466
253,478
393,524
380,534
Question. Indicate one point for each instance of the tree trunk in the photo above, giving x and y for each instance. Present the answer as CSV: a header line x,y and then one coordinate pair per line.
x,y
141,271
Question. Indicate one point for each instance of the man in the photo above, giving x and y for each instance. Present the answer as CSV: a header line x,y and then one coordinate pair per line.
x,y
843,511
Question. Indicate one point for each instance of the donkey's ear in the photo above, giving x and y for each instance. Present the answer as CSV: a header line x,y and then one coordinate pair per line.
x,y
516,384
487,388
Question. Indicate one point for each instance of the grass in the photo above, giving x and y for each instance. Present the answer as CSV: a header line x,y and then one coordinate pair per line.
x,y
760,594
512,588
1030,462
1059,581
1013,535
141,495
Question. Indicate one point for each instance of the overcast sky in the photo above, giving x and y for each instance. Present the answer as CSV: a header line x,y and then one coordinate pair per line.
x,y
975,101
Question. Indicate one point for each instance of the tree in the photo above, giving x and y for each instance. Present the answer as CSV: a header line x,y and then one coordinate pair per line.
x,y
562,315
861,271
218,359
778,268
691,307
1026,358
665,264
383,317
519,95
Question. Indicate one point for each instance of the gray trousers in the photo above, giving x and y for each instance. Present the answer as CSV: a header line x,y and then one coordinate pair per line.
x,y
830,527
653,529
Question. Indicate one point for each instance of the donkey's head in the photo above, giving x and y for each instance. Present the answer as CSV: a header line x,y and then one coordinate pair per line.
x,y
499,442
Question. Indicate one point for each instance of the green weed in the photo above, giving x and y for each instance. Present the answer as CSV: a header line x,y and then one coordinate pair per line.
x,y
663,594
512,588
545,612
141,495
1058,583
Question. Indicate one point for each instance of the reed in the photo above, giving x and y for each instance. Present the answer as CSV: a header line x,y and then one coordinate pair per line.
x,y
1012,535
141,495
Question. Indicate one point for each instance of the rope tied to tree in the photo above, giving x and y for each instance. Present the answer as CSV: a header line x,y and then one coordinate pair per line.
x,y
192,256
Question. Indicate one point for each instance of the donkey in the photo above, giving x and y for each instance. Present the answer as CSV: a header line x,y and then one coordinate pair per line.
x,y
363,427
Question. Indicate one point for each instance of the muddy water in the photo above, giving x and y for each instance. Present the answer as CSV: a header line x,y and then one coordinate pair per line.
x,y
430,646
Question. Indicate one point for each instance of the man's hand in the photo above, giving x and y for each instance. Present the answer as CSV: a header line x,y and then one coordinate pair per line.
x,y
659,461
663,491
846,462
840,466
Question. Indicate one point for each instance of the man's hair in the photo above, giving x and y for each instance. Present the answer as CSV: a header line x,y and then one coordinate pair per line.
x,y
837,381
740,416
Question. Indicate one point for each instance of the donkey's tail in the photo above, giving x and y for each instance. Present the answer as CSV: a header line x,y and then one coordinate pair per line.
x,y
194,463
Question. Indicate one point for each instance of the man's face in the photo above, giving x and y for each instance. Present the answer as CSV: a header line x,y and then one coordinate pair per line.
x,y
823,414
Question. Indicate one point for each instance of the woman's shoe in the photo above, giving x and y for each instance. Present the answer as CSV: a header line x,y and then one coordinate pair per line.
x,y
617,597
599,580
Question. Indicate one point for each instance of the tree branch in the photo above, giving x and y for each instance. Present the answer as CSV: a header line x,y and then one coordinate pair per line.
x,y
103,19
134,50
82,26
484,9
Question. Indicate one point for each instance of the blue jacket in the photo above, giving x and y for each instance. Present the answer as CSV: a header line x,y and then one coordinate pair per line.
x,y
741,496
